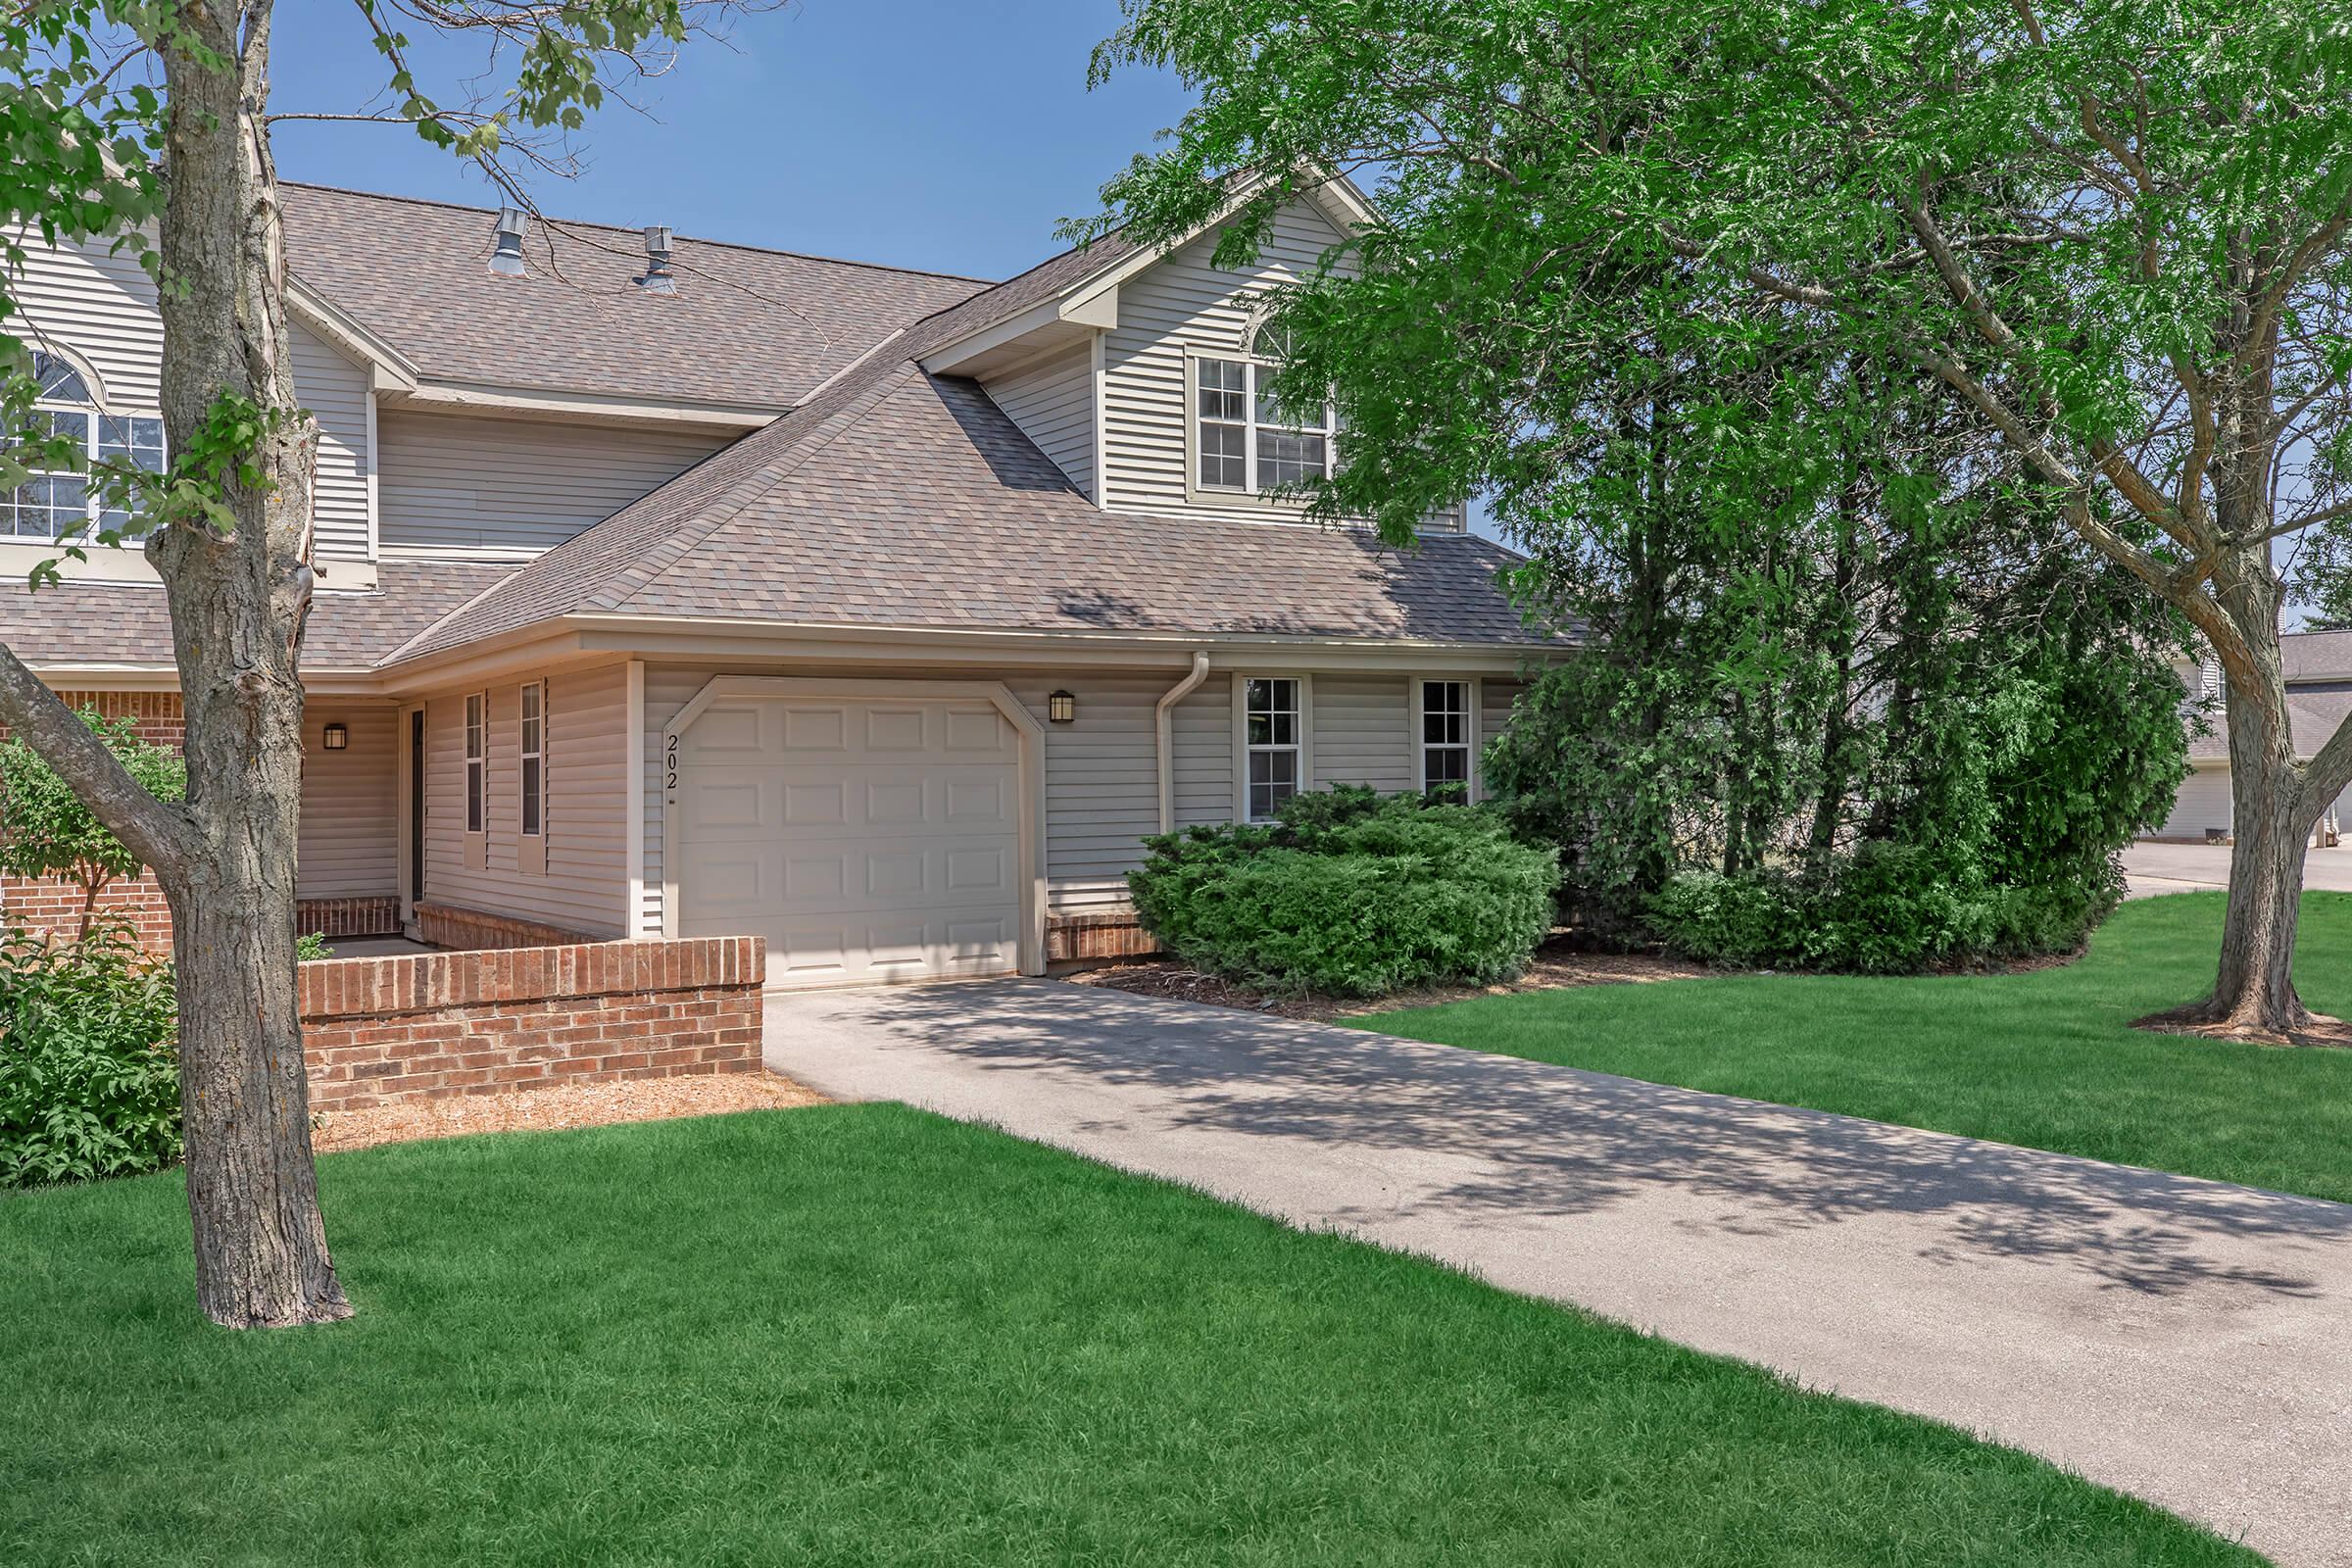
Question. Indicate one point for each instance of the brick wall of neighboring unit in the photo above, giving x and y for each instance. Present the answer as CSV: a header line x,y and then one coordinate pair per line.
x,y
50,905
445,926
381,1030
1111,934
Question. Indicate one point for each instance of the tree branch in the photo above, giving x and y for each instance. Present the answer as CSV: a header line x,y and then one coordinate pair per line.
x,y
157,832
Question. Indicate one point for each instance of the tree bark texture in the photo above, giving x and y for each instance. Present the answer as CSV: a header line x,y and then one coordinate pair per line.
x,y
239,602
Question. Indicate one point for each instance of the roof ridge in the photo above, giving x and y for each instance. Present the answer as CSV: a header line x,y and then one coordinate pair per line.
x,y
622,228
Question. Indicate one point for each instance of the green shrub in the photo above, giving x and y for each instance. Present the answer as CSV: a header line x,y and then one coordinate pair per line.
x,y
89,1082
1350,894
1882,909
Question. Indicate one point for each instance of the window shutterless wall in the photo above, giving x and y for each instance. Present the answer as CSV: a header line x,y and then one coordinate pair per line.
x,y
574,876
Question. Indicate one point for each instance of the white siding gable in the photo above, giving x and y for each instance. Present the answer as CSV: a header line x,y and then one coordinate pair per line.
x,y
99,308
1183,307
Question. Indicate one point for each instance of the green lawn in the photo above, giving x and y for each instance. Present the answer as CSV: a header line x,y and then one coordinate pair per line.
x,y
2046,1059
863,1335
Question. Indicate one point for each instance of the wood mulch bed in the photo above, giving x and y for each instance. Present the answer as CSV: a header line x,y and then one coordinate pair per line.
x,y
1556,964
561,1106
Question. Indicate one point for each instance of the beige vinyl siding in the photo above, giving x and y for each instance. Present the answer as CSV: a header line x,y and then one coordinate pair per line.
x,y
1052,401
2202,805
336,391
1495,699
668,687
99,307
1204,767
1101,771
1184,302
350,839
583,889
1363,727
517,485
1102,783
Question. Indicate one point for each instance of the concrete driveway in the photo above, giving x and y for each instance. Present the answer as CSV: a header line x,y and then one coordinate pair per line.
x,y
2152,868
2185,1340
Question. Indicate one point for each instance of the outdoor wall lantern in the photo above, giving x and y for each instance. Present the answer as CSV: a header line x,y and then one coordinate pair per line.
x,y
1061,708
336,737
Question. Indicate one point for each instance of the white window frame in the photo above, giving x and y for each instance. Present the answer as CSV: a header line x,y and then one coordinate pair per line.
x,y
530,857
94,415
1254,491
1416,736
1243,749
474,743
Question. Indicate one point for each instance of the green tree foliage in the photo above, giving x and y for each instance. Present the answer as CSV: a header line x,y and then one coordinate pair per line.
x,y
89,1079
2113,242
45,829
1350,894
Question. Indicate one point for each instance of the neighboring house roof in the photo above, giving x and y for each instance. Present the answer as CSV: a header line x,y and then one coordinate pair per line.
x,y
2313,715
2318,666
130,624
2316,654
746,326
908,501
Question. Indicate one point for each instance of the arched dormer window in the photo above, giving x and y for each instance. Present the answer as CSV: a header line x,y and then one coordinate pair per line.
x,y
1244,439
57,503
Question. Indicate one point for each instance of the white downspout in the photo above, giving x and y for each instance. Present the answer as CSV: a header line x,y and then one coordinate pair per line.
x,y
1166,717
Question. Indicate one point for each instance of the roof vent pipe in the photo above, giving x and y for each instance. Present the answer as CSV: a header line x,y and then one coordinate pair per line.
x,y
505,260
657,279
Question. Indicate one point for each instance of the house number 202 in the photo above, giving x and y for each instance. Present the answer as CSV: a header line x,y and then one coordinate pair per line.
x,y
669,764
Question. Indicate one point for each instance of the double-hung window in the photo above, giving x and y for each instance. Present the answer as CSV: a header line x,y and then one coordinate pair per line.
x,y
477,735
1245,440
54,503
1273,722
533,749
1444,739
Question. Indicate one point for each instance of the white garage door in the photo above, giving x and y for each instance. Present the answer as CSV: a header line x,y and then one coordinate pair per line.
x,y
868,840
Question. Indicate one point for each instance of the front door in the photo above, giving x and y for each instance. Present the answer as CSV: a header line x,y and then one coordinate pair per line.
x,y
416,808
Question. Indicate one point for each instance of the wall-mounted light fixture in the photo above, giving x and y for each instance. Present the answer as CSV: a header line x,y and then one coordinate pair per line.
x,y
336,737
1061,708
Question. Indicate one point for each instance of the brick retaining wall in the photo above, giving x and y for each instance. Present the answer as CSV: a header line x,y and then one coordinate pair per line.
x,y
428,1025
445,926
1107,934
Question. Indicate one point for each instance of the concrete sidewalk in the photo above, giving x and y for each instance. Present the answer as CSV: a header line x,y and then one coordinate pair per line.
x,y
2185,1340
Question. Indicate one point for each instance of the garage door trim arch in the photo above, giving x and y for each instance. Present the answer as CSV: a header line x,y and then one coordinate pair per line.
x,y
1031,773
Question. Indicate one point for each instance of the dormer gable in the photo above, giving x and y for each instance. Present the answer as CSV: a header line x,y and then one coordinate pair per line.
x,y
1139,372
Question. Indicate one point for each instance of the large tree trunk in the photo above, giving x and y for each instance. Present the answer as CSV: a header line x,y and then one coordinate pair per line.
x,y
2272,816
238,601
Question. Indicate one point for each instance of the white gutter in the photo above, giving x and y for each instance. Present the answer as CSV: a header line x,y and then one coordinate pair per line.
x,y
1165,715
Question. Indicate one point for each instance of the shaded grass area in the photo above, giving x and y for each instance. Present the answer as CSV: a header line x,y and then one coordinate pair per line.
x,y
865,1335
2046,1060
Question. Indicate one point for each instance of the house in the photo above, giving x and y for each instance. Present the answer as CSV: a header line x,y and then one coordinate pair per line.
x,y
2318,665
688,588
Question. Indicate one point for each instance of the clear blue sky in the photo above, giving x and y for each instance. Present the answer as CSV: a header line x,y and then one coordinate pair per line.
x,y
939,135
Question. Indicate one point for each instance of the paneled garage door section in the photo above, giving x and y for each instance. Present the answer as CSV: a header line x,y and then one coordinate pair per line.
x,y
866,840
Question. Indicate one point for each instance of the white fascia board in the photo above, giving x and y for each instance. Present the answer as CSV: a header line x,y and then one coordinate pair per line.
x,y
672,636
1045,314
587,408
387,371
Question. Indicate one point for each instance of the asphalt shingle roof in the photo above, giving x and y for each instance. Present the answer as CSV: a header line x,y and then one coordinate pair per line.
x,y
125,624
905,500
748,326
885,497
